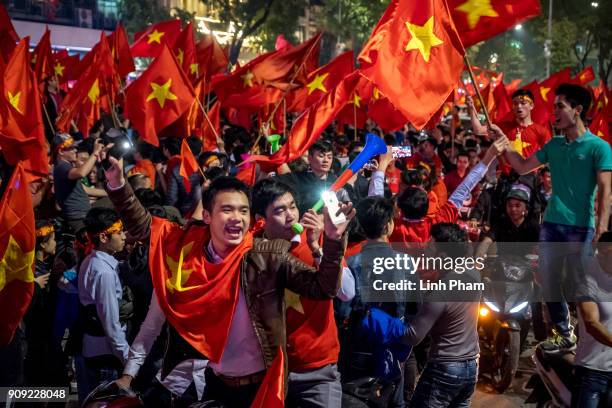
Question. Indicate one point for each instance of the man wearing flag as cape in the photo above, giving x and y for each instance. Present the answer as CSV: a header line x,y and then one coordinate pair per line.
x,y
223,291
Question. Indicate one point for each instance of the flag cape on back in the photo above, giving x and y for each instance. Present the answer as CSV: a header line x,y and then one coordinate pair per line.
x,y
17,243
158,97
198,298
149,42
414,57
22,134
477,20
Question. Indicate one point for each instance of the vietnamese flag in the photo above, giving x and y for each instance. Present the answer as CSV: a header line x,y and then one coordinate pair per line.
x,y
600,127
211,58
210,134
189,164
548,86
8,35
17,243
64,66
158,97
585,76
289,65
42,58
414,57
185,52
120,50
149,43
309,126
22,134
321,81
477,20
197,297
384,114
503,102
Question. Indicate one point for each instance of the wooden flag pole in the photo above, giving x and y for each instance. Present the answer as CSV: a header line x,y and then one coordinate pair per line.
x,y
208,119
355,118
477,88
284,119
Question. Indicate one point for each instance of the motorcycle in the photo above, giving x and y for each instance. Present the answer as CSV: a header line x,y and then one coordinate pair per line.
x,y
504,314
554,381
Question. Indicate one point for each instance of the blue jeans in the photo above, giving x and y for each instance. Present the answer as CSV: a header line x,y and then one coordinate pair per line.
x,y
553,253
448,384
593,386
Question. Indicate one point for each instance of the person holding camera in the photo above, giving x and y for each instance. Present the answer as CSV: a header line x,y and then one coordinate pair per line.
x,y
67,175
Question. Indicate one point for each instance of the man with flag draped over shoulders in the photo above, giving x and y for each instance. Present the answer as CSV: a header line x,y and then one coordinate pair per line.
x,y
222,291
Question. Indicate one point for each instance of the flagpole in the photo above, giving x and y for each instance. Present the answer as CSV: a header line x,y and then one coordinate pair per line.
x,y
208,119
284,119
477,88
355,119
113,113
48,118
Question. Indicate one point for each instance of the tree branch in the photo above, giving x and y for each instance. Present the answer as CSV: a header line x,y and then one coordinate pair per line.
x,y
248,31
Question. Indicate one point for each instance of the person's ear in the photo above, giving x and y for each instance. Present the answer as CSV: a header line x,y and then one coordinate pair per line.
x,y
104,238
206,216
579,110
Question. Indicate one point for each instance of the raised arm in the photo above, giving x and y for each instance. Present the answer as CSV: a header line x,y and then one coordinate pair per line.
x,y
518,163
135,217
477,127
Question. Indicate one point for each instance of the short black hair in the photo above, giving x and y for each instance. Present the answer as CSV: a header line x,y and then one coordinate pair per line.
x,y
576,95
322,146
195,145
148,197
215,172
173,145
463,153
266,191
221,184
448,232
145,149
97,220
414,203
373,214
523,92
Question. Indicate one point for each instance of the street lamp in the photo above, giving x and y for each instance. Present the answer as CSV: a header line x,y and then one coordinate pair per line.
x,y
594,4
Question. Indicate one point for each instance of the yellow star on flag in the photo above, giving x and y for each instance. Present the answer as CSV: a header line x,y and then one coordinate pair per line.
x,y
94,92
376,94
518,145
179,276
59,69
356,100
193,69
15,264
317,83
423,38
155,36
583,76
476,9
292,299
180,57
161,93
247,79
14,100
544,92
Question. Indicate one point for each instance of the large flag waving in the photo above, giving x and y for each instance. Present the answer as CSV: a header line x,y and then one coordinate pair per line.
x,y
17,241
477,20
158,97
414,57
149,43
22,134
8,35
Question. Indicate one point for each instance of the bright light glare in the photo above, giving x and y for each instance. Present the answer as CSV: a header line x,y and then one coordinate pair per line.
x,y
484,312
518,27
492,306
594,4
519,307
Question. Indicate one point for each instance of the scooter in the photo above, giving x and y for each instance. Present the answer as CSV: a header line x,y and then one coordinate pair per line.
x,y
504,315
554,381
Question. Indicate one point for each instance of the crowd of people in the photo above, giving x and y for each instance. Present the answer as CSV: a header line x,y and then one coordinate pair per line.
x,y
100,311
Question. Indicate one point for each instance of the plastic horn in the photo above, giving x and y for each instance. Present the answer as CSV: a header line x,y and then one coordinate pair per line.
x,y
274,143
374,146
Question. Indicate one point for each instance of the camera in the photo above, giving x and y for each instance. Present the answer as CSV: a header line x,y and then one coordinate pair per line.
x,y
122,145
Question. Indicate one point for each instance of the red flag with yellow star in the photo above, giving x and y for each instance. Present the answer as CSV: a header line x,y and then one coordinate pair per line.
x,y
42,58
309,126
120,50
149,42
321,81
585,76
185,52
17,242
212,59
64,65
22,134
414,57
477,20
158,97
208,135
